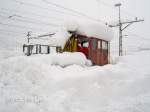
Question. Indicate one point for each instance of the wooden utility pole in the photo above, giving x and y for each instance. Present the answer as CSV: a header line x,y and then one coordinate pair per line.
x,y
28,35
121,28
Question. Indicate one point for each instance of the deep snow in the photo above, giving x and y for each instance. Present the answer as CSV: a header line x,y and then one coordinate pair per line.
x,y
33,84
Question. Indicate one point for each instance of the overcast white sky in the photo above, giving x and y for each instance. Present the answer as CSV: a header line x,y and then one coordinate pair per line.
x,y
47,14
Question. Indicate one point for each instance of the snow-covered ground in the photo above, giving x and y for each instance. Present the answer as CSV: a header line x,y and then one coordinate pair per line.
x,y
37,84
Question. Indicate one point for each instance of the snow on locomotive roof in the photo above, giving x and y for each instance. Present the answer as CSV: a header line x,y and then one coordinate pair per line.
x,y
84,28
90,29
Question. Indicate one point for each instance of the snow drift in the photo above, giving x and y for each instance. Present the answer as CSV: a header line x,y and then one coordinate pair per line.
x,y
67,58
33,84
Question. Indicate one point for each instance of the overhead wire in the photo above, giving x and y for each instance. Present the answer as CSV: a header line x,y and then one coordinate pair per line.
x,y
43,8
59,6
22,27
68,9
73,11
28,20
29,13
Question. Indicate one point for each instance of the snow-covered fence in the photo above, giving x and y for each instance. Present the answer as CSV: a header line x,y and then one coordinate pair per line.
x,y
39,49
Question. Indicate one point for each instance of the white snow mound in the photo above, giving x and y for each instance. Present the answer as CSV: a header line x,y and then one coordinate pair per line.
x,y
67,58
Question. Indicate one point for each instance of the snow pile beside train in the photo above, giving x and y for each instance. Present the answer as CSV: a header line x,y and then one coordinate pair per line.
x,y
32,84
66,59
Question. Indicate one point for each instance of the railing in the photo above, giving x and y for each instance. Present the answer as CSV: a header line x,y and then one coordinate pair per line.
x,y
31,49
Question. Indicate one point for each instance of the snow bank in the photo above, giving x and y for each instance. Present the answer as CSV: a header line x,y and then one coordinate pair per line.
x,y
60,59
36,84
90,29
66,58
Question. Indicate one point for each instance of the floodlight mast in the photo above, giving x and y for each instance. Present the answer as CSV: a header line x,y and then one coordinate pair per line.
x,y
121,28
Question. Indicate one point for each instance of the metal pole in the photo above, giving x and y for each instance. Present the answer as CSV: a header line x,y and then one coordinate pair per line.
x,y
120,33
122,27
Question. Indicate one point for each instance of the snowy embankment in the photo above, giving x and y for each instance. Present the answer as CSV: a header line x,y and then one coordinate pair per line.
x,y
32,84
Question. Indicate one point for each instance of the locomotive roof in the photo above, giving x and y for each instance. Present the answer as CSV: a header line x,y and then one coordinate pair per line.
x,y
91,29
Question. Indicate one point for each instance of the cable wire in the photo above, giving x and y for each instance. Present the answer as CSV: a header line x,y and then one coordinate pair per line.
x,y
43,8
31,13
71,10
28,21
75,13
22,27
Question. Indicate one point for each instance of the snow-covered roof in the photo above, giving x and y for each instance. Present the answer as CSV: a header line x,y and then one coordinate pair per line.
x,y
58,39
91,29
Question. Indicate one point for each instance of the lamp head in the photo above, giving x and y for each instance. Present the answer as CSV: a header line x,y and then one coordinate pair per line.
x,y
118,4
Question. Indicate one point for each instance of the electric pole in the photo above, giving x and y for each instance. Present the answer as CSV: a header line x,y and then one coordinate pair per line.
x,y
28,35
122,27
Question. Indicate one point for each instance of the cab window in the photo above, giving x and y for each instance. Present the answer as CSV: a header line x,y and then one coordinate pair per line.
x,y
104,45
94,44
85,44
99,44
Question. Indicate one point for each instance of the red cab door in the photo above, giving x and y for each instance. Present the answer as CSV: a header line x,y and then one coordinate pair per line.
x,y
98,51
